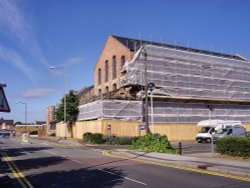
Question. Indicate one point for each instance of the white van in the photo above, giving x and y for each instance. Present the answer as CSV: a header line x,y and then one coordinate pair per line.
x,y
208,128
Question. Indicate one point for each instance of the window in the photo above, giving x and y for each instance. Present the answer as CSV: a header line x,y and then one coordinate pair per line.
x,y
106,71
123,60
107,89
114,87
99,76
99,92
114,66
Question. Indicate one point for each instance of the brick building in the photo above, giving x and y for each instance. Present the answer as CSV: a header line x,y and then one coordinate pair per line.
x,y
190,85
50,120
107,71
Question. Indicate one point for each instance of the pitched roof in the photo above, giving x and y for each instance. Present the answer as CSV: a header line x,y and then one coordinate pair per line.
x,y
135,44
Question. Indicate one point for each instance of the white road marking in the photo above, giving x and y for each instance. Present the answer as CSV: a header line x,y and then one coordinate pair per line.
x,y
76,161
23,151
26,152
64,157
50,152
123,177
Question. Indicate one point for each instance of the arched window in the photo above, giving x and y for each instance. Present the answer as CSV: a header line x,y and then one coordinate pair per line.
x,y
107,89
114,66
99,76
123,60
99,92
106,71
114,87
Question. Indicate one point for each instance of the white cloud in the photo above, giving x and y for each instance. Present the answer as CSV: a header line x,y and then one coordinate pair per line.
x,y
15,59
13,20
37,93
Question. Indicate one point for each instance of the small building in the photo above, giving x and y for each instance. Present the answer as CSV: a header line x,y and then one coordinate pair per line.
x,y
50,120
6,124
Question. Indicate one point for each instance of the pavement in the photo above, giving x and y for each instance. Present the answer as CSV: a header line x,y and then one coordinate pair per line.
x,y
203,161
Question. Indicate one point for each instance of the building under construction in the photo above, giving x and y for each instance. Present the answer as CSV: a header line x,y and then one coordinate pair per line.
x,y
190,85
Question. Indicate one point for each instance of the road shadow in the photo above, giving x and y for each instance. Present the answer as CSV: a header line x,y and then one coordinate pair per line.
x,y
14,152
34,163
87,178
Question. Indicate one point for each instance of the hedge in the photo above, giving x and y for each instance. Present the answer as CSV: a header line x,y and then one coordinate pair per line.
x,y
233,147
97,138
120,140
94,138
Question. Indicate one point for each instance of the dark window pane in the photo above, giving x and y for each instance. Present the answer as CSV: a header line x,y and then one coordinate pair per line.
x,y
106,71
114,66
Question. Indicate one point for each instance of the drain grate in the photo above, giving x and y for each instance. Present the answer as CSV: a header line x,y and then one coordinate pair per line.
x,y
204,167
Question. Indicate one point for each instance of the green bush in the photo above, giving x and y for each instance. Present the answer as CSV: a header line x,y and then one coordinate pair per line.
x,y
120,140
153,142
94,138
86,136
233,147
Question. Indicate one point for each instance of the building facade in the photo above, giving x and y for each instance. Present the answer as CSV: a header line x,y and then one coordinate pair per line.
x,y
107,71
50,120
190,85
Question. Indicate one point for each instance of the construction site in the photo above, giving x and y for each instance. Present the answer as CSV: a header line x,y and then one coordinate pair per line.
x,y
172,88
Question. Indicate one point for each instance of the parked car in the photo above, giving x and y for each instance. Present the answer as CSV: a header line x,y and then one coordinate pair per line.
x,y
230,132
4,134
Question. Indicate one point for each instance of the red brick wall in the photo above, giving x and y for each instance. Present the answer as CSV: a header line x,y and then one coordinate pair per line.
x,y
111,48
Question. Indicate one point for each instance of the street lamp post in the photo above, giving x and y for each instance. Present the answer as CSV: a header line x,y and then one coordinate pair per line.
x,y
25,111
65,88
25,137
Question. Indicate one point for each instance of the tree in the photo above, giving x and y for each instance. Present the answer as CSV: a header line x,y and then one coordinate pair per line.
x,y
18,123
72,102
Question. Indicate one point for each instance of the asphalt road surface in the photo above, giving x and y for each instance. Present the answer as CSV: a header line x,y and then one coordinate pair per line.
x,y
48,165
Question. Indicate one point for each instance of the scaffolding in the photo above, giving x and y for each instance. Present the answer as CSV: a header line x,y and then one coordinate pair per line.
x,y
111,109
179,112
184,74
189,87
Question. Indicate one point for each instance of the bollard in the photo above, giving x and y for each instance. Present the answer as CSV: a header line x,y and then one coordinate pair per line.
x,y
180,148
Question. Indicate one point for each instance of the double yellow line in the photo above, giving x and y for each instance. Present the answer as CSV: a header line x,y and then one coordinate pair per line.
x,y
16,172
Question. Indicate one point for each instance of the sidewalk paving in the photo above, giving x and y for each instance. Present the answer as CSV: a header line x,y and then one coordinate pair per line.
x,y
204,161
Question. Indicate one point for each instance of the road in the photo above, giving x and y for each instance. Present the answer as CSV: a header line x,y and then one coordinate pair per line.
x,y
42,165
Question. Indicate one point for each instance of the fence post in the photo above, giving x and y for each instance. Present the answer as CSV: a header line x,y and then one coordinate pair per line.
x,y
180,148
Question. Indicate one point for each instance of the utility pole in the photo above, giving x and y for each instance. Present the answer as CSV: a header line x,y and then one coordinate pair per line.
x,y
144,54
151,87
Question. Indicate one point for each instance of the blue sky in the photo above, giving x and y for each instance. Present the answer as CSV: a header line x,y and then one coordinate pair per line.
x,y
35,34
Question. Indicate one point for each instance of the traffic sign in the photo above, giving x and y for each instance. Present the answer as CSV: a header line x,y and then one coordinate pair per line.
x,y
4,106
142,127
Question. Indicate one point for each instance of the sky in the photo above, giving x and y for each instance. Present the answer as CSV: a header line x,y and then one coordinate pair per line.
x,y
70,34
